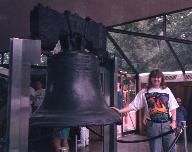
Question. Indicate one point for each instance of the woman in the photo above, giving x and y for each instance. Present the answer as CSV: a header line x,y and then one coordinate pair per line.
x,y
160,110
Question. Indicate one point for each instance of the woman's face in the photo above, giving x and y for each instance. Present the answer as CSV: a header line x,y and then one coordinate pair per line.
x,y
156,81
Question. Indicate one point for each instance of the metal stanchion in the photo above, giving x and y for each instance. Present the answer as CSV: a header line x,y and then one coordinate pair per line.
x,y
182,129
75,143
175,140
185,135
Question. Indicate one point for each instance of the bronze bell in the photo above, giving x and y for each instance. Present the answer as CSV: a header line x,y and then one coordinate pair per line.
x,y
73,96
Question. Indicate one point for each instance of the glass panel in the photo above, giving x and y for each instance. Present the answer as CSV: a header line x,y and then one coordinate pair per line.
x,y
122,64
147,54
184,53
179,25
149,26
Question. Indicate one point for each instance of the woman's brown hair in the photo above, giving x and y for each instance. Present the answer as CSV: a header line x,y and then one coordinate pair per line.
x,y
153,74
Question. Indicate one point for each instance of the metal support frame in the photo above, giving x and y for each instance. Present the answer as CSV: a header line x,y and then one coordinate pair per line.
x,y
164,25
158,37
23,53
122,53
164,37
113,94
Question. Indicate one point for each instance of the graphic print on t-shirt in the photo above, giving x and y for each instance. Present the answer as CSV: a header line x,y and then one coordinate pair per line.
x,y
158,106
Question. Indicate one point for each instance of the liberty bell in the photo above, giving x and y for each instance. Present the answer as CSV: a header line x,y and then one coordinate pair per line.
x,y
73,95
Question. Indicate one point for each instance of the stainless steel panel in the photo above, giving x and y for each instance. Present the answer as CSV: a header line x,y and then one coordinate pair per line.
x,y
23,53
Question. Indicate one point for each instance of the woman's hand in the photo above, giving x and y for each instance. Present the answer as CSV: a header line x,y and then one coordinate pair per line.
x,y
116,109
173,124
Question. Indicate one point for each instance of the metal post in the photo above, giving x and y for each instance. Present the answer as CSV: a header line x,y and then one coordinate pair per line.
x,y
175,140
109,142
23,53
106,138
113,128
76,143
185,135
113,138
109,91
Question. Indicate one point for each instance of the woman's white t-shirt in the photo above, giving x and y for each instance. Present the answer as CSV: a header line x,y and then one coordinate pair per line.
x,y
157,102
